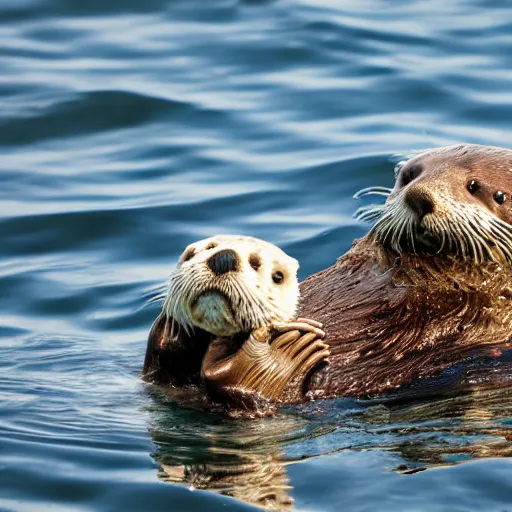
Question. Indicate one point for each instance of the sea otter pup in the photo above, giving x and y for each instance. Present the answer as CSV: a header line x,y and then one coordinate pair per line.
x,y
228,298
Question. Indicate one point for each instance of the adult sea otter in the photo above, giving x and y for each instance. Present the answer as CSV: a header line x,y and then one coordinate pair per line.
x,y
429,287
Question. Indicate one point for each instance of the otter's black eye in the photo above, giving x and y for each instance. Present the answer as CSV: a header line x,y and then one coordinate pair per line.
x,y
499,196
473,186
277,277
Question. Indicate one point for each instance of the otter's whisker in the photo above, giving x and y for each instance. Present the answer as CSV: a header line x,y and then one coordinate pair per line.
x,y
480,236
458,242
386,224
387,232
441,228
156,298
504,230
472,246
378,191
369,213
400,231
451,237
396,229
467,243
248,317
400,226
183,293
256,314
502,239
410,235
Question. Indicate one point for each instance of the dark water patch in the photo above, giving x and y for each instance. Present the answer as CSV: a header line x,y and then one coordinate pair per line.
x,y
322,250
97,111
24,10
7,331
342,178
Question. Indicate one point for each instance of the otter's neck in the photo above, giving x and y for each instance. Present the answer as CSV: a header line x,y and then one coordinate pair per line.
x,y
393,319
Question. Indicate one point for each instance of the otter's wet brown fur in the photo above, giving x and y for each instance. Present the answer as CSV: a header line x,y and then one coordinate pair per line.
x,y
392,319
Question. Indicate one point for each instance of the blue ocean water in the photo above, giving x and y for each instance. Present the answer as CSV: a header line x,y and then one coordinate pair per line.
x,y
131,129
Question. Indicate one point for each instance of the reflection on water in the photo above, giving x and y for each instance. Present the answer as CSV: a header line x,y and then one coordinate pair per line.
x,y
237,464
242,459
450,431
249,460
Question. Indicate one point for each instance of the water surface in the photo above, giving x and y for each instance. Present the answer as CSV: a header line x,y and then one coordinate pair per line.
x,y
131,129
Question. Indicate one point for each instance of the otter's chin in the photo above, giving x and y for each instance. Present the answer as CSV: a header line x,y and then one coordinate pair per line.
x,y
418,241
426,241
212,312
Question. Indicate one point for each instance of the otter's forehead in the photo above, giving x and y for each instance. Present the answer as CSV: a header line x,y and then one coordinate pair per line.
x,y
246,245
453,167
491,162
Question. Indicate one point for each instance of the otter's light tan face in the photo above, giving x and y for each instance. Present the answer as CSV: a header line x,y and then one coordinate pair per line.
x,y
454,200
228,284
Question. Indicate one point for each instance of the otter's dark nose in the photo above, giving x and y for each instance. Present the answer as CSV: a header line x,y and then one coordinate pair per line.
x,y
223,261
419,201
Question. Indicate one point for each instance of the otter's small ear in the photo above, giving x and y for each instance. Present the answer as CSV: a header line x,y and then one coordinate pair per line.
x,y
187,254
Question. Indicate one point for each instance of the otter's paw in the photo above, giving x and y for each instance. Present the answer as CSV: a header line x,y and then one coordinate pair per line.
x,y
273,359
300,324
300,346
282,355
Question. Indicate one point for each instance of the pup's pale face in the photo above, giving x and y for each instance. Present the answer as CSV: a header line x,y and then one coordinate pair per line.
x,y
228,284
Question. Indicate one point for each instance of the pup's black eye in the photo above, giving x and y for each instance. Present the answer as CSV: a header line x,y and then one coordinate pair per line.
x,y
473,186
499,196
211,245
277,277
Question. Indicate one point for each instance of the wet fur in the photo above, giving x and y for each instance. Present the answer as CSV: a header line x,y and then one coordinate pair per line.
x,y
174,355
403,318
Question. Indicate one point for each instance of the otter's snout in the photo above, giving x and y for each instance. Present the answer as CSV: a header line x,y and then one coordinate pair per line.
x,y
223,261
419,202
